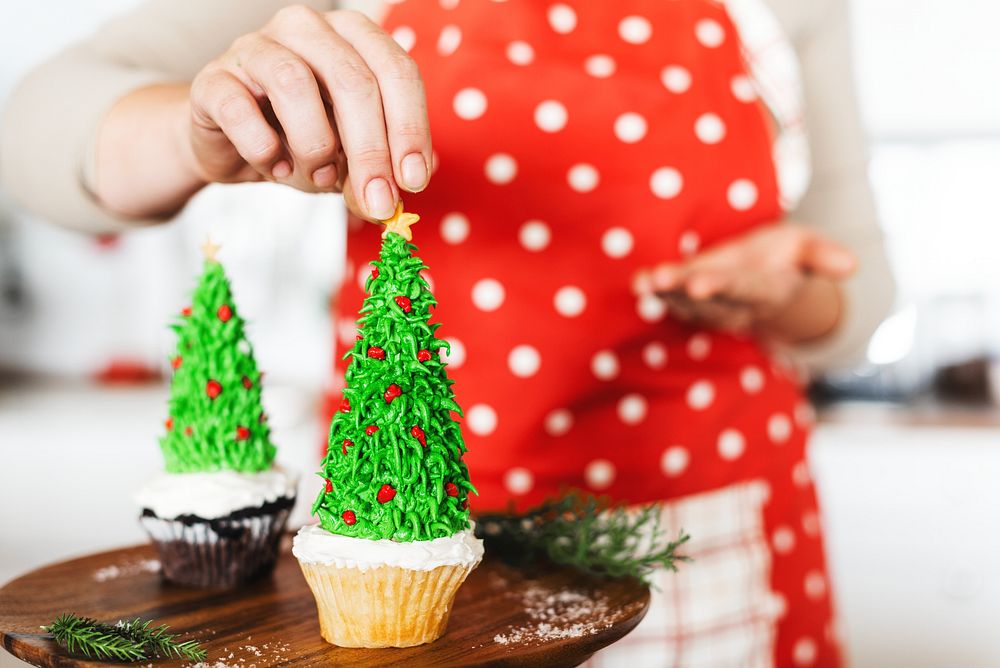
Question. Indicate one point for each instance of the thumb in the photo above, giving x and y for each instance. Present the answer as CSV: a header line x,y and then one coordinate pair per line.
x,y
828,258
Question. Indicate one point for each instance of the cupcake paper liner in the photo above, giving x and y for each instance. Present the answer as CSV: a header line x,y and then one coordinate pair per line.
x,y
386,606
223,552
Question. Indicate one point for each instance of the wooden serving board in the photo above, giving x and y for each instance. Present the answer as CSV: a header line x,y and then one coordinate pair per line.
x,y
502,616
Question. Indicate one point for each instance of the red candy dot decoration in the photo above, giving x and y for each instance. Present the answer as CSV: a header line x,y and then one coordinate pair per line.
x,y
450,489
329,485
188,431
376,353
169,424
349,517
186,311
242,433
419,434
392,392
348,443
345,405
423,356
176,362
404,303
386,494
465,504
374,272
247,383
370,429
224,313
213,389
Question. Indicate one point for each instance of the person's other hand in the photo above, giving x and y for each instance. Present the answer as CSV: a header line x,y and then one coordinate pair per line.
x,y
321,102
778,280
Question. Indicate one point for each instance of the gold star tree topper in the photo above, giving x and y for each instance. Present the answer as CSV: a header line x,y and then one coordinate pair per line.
x,y
400,223
210,249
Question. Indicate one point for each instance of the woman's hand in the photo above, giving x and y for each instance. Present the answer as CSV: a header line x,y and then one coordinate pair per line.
x,y
780,281
321,102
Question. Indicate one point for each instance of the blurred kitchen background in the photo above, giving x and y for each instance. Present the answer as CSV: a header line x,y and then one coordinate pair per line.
x,y
906,456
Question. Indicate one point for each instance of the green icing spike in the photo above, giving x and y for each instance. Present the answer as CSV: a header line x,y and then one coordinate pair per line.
x,y
216,419
405,481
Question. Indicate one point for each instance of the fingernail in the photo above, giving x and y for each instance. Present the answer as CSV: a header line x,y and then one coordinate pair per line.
x,y
378,199
414,170
281,169
325,177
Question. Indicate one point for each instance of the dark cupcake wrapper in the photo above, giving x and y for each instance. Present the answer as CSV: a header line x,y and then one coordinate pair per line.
x,y
220,552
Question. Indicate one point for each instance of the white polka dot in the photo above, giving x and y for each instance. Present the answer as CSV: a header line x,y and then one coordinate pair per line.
x,y
759,492
449,40
520,53
446,4
599,65
635,29
699,346
583,177
710,33
779,428
558,422
481,419
469,103
731,444
700,395
454,228
426,275
811,524
405,37
435,161
604,365
800,475
651,308
741,194
783,540
742,88
562,18
666,182
804,414
805,651
550,116
815,585
751,379
674,461
617,242
518,481
689,243
709,128
524,361
456,358
488,294
632,409
534,235
599,474
501,169
570,301
364,271
347,330
675,78
654,354
630,127
777,605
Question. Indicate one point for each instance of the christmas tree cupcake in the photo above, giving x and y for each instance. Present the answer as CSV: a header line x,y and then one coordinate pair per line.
x,y
217,514
394,541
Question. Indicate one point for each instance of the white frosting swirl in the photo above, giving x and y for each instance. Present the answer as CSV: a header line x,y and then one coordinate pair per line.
x,y
215,494
315,545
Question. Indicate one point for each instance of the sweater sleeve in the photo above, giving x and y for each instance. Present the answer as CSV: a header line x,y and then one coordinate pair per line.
x,y
839,202
47,132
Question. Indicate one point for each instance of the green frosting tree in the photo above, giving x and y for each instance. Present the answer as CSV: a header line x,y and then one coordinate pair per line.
x,y
216,420
394,465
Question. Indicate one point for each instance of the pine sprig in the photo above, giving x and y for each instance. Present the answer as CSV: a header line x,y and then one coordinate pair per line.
x,y
126,641
589,533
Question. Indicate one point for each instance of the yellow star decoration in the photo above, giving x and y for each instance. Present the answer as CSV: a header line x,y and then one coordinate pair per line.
x,y
209,249
400,223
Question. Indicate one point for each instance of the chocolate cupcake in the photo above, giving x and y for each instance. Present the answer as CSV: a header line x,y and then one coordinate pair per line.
x,y
216,516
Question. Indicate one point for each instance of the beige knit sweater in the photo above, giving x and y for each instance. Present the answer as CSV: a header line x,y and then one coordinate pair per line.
x,y
47,133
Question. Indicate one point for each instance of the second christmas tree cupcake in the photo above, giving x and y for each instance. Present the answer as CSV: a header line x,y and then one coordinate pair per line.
x,y
217,514
394,542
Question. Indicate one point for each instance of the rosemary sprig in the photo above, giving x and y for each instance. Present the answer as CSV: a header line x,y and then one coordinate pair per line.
x,y
590,533
127,640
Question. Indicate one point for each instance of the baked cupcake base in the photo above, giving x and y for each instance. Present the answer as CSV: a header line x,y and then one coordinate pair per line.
x,y
220,552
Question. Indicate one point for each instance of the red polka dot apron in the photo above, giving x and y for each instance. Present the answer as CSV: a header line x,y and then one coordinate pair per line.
x,y
575,143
